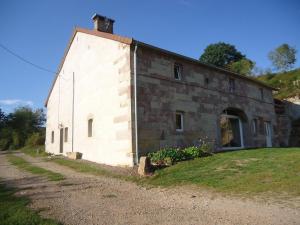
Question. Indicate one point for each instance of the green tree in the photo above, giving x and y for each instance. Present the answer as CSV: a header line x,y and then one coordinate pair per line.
x,y
283,57
2,119
24,122
18,126
221,54
243,66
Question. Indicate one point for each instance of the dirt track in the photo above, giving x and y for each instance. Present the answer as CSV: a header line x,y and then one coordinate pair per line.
x,y
86,199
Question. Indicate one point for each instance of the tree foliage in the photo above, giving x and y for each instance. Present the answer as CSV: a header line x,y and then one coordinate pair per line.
x,y
283,57
243,67
18,126
221,54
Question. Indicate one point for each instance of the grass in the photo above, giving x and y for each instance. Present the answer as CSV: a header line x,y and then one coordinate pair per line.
x,y
83,167
35,151
14,211
284,82
24,165
275,170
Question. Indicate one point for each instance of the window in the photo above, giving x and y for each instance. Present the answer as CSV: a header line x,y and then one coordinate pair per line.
x,y
254,126
206,81
261,93
177,71
66,134
179,121
52,137
231,85
90,127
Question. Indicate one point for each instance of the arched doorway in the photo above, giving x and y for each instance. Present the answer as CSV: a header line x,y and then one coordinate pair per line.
x,y
232,121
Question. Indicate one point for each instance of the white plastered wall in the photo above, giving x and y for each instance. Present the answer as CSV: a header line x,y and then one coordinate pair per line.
x,y
101,69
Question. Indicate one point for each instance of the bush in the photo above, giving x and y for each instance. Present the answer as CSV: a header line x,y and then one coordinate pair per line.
x,y
16,141
4,144
167,156
35,139
194,152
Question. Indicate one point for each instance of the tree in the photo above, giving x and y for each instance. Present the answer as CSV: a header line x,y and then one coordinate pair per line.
x,y
18,126
221,54
243,66
2,118
24,122
283,57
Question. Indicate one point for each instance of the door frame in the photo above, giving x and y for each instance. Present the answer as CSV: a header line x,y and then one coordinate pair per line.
x,y
241,132
268,134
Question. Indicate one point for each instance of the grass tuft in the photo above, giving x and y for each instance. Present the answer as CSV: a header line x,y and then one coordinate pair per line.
x,y
24,165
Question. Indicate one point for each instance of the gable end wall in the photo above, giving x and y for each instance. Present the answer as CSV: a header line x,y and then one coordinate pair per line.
x,y
101,69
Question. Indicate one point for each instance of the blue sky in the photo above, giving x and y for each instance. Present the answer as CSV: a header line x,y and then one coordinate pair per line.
x,y
40,30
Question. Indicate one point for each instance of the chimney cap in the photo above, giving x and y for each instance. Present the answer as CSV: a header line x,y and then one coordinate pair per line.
x,y
98,16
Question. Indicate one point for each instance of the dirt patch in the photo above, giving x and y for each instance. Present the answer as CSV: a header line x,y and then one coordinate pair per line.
x,y
244,162
86,199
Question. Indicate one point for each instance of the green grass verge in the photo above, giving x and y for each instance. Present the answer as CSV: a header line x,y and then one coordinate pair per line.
x,y
83,167
14,211
24,165
88,168
248,171
35,151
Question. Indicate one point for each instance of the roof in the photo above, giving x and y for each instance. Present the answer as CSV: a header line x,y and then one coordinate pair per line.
x,y
131,41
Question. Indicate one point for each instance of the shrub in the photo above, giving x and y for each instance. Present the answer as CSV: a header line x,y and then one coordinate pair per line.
x,y
4,144
193,152
16,141
35,139
170,155
167,156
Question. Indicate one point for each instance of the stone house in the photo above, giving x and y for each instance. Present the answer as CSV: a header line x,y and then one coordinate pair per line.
x,y
115,98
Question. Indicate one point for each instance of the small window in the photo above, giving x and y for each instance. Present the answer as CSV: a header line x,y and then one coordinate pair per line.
x,y
90,127
206,80
261,93
177,71
231,85
66,134
179,121
254,126
52,137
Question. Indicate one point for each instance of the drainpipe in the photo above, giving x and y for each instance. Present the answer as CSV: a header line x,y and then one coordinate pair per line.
x,y
73,98
135,106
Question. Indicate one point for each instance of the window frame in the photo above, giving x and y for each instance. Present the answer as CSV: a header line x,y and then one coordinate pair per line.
x,y
231,85
90,127
206,81
52,137
255,126
181,121
261,91
66,134
179,71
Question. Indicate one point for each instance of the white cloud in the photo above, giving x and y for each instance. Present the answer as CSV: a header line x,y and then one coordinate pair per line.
x,y
12,102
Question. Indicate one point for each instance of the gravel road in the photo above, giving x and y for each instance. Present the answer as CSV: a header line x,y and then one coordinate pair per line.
x,y
87,199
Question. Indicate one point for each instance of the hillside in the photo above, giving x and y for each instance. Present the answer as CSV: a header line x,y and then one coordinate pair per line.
x,y
288,83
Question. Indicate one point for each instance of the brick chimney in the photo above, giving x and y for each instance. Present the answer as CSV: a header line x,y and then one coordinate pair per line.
x,y
103,24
